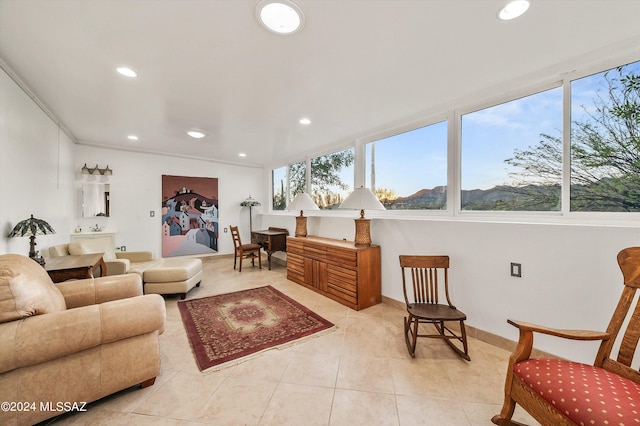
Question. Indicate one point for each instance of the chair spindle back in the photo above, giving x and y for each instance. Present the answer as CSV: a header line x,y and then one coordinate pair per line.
x,y
427,273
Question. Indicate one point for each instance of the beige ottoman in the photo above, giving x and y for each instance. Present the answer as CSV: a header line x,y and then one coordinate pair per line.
x,y
173,276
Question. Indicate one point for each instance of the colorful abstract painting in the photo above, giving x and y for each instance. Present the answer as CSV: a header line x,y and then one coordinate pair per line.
x,y
189,215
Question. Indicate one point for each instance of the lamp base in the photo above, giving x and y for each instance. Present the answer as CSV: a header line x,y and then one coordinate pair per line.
x,y
301,226
40,260
363,233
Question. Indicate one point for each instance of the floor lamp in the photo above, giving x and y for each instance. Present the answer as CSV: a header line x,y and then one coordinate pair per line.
x,y
250,202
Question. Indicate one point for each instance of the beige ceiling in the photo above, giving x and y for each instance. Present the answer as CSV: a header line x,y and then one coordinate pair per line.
x,y
358,66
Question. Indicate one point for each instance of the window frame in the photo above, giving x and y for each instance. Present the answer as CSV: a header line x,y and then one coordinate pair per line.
x,y
453,115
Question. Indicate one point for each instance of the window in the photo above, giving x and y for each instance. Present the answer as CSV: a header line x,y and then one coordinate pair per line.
x,y
297,179
409,171
511,155
332,178
605,141
279,190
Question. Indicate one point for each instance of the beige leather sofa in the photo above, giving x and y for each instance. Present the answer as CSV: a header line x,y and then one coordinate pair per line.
x,y
74,342
118,263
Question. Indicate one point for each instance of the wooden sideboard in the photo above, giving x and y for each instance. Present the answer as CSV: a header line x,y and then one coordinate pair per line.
x,y
336,269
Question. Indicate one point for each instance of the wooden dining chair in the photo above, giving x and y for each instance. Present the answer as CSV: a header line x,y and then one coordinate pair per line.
x,y
244,250
563,392
429,277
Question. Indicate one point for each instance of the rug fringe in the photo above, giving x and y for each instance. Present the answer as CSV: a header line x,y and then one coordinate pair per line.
x,y
260,353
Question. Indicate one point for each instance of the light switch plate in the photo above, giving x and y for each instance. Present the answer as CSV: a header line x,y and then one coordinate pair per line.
x,y
516,269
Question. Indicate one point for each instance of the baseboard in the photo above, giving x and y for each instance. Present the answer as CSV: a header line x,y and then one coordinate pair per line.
x,y
479,334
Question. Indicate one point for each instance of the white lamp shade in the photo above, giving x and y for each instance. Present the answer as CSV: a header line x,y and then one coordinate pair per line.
x,y
362,199
301,202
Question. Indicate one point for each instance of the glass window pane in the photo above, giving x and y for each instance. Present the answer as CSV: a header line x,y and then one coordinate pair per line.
x,y
605,141
278,188
511,155
332,178
409,171
297,179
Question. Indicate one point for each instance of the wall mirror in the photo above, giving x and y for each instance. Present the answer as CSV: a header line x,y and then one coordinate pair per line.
x,y
95,199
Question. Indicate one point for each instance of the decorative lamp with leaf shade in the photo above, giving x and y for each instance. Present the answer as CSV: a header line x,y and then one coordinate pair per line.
x,y
301,202
362,199
30,228
250,202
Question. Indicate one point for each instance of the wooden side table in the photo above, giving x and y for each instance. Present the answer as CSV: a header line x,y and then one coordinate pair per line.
x,y
75,267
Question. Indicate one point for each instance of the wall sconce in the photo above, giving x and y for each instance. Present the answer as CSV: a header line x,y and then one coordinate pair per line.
x,y
96,170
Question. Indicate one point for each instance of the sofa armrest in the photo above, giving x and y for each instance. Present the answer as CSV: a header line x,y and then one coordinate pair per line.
x,y
117,266
46,337
98,290
135,256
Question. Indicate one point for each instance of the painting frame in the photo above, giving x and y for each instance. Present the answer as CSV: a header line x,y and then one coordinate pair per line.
x,y
189,215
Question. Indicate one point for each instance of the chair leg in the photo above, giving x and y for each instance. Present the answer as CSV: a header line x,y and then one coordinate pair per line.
x,y
241,256
259,259
463,332
235,259
447,338
411,345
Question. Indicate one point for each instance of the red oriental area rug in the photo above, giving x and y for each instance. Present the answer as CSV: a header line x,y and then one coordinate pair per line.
x,y
229,328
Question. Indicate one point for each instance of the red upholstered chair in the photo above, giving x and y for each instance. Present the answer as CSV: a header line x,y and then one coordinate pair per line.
x,y
562,392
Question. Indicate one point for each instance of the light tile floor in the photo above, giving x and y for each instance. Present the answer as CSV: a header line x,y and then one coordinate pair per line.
x,y
361,374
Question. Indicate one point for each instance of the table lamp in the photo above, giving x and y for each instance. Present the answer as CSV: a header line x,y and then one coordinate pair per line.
x,y
362,199
301,202
30,228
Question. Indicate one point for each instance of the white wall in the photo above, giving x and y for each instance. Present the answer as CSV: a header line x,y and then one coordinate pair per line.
x,y
36,170
570,276
136,189
40,175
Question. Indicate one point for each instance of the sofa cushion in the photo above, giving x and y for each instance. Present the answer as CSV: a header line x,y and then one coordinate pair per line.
x,y
171,270
139,268
94,245
26,289
583,393
60,250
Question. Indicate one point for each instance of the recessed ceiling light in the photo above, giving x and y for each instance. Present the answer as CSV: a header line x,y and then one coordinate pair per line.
x,y
513,9
196,134
242,154
305,121
127,72
280,16
132,137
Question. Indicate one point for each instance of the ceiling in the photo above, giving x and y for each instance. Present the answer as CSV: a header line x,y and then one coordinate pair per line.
x,y
357,67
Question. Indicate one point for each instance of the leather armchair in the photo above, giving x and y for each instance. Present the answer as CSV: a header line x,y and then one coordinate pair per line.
x,y
77,341
117,263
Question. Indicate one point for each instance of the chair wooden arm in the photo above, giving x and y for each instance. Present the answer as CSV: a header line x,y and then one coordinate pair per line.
x,y
566,334
525,341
